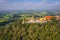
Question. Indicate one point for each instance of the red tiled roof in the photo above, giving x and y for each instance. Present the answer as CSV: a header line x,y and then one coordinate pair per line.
x,y
48,17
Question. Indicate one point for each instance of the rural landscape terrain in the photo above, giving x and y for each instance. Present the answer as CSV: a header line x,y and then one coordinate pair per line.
x,y
30,25
29,19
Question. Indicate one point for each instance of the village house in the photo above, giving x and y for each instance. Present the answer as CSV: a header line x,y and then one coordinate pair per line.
x,y
37,20
48,17
57,17
41,19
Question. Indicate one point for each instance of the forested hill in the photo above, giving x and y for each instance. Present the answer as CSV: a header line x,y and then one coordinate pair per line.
x,y
32,31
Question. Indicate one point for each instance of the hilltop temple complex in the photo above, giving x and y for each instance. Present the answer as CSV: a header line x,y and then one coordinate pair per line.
x,y
41,19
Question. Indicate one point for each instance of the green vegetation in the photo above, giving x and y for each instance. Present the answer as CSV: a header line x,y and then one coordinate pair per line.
x,y
33,31
2,20
11,27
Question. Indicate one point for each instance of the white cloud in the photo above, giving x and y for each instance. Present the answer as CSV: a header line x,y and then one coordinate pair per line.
x,y
44,0
57,2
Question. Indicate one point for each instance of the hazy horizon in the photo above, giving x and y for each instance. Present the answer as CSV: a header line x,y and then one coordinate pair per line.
x,y
29,4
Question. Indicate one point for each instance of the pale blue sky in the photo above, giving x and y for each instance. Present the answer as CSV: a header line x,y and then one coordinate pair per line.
x,y
29,4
